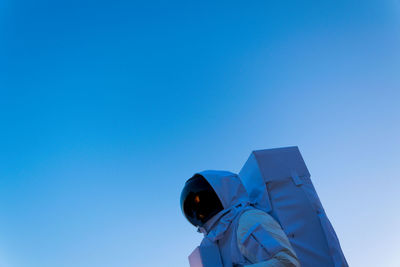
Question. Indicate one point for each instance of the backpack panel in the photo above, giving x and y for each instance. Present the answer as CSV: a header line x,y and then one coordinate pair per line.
x,y
279,183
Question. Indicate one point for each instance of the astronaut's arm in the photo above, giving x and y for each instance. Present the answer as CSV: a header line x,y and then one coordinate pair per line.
x,y
281,259
262,241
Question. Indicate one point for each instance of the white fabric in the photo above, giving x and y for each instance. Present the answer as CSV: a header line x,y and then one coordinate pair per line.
x,y
286,257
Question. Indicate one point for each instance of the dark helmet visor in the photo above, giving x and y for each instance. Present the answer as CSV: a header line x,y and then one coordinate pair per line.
x,y
199,202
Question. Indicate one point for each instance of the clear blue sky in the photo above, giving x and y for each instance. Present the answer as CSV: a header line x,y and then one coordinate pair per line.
x,y
107,107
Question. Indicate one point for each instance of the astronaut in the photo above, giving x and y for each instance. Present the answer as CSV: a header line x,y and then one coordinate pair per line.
x,y
235,233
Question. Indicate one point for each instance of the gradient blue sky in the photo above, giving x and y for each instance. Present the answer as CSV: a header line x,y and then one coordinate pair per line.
x,y
107,107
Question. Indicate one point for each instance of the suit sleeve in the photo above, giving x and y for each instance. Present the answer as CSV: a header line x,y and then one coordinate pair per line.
x,y
262,241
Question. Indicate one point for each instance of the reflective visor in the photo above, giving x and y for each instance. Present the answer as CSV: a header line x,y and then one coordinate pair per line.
x,y
199,202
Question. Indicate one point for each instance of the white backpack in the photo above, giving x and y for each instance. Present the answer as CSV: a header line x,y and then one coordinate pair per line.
x,y
279,183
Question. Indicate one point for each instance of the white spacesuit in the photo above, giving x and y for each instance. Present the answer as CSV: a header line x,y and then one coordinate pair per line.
x,y
235,233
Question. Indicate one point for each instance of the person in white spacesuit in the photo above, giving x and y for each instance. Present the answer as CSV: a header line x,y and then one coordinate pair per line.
x,y
235,233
